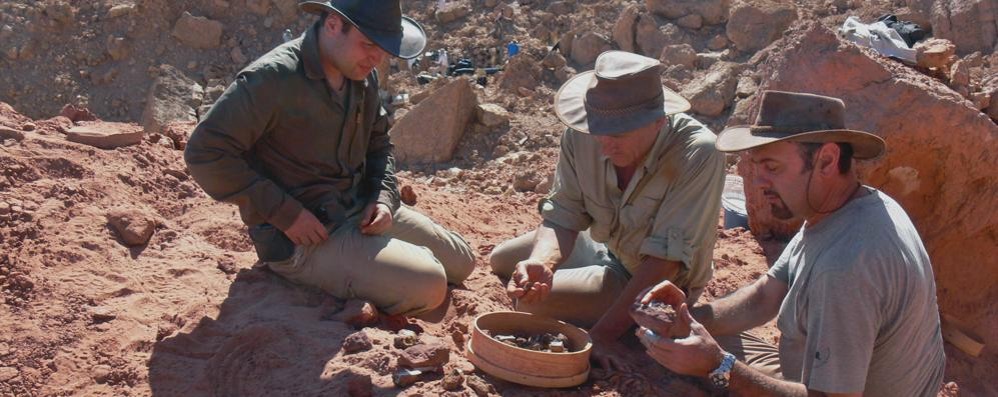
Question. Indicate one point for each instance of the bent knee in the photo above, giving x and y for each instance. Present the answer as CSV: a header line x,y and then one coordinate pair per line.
x,y
423,292
503,259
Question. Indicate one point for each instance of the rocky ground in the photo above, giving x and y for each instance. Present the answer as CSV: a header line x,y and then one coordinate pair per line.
x,y
118,276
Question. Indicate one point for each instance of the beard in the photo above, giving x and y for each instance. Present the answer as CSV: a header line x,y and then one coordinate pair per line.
x,y
780,209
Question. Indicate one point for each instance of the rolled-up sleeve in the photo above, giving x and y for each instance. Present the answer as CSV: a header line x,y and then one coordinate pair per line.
x,y
687,218
215,152
565,207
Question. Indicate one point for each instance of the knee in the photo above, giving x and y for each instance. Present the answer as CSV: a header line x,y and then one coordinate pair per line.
x,y
426,291
503,259
462,263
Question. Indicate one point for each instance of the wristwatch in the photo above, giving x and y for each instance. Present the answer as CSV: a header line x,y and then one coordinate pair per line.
x,y
720,376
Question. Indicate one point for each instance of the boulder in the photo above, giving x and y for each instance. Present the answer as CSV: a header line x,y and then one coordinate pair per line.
x,y
970,24
692,21
715,91
198,32
259,7
711,11
754,24
451,12
60,11
935,53
106,135
430,132
624,28
944,177
651,37
492,115
588,46
521,71
679,54
173,97
132,225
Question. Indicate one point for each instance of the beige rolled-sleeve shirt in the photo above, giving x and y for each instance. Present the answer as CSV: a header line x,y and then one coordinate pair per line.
x,y
669,211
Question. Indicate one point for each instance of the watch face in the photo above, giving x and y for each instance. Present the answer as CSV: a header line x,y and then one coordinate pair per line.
x,y
719,380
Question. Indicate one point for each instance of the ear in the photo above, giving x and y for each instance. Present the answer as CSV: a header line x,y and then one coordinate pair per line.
x,y
332,22
828,159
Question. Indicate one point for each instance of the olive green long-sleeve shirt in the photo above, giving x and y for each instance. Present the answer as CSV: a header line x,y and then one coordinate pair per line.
x,y
279,141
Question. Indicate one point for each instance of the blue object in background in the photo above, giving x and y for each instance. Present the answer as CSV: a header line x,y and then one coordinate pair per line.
x,y
512,48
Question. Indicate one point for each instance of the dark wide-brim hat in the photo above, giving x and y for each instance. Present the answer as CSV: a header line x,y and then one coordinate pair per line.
x,y
380,20
623,92
799,117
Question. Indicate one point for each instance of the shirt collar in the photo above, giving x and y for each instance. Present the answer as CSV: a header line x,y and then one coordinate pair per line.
x,y
310,54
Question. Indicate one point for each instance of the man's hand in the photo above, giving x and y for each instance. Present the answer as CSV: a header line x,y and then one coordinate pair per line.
x,y
696,355
610,355
306,229
665,292
377,219
531,281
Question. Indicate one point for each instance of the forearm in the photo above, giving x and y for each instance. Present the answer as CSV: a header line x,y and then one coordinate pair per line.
x,y
553,244
746,381
617,320
746,308
381,179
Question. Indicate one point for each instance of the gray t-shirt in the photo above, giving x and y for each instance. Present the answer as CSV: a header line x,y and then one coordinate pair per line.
x,y
861,313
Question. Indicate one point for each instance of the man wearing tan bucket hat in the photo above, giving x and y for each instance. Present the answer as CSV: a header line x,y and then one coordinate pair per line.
x,y
635,200
853,292
300,142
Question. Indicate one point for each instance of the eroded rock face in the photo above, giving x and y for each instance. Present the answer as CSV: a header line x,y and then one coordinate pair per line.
x,y
940,162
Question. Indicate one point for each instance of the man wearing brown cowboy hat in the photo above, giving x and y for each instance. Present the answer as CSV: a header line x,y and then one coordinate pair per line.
x,y
300,142
853,292
635,201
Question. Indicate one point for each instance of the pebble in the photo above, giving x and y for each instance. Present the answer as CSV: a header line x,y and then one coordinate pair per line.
x,y
8,373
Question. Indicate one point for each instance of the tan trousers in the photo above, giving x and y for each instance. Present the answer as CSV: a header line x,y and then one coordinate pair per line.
x,y
403,271
754,351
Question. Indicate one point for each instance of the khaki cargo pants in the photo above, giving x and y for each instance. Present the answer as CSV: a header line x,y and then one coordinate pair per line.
x,y
584,287
403,271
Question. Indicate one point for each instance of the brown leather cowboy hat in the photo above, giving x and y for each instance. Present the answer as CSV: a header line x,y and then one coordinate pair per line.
x,y
799,117
622,93
380,20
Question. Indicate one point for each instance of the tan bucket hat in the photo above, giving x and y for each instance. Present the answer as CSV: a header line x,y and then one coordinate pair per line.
x,y
799,117
622,93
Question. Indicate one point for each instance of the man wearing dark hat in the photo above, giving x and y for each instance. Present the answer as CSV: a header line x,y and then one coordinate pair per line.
x,y
853,292
300,142
635,201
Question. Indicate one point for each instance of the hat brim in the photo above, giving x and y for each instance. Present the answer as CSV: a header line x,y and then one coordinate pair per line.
x,y
570,107
409,45
740,138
